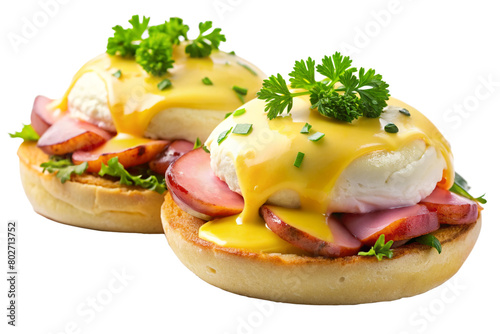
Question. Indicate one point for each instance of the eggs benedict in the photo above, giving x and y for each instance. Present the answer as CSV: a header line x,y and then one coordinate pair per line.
x,y
101,151
322,192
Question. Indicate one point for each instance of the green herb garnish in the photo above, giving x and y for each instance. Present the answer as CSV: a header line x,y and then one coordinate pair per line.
x,y
248,68
461,187
63,167
126,41
164,84
205,149
239,112
240,90
203,45
154,51
306,128
155,54
341,95
223,135
197,143
404,111
27,133
391,128
207,81
116,169
316,136
240,93
380,249
298,159
242,129
118,74
429,240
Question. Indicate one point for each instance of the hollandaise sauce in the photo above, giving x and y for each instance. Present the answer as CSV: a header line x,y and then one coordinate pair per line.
x,y
264,161
134,97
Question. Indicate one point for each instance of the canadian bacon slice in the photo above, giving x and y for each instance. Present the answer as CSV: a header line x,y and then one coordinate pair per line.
x,y
193,183
42,117
131,151
312,232
69,134
169,155
451,208
396,224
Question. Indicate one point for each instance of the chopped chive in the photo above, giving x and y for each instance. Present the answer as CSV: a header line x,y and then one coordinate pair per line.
x,y
197,143
227,115
240,90
240,97
205,149
316,136
207,81
306,128
232,53
239,112
404,111
223,135
248,68
242,129
298,159
118,74
391,128
164,84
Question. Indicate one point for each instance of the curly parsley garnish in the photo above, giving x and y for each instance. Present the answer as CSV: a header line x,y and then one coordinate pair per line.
x,y
380,249
126,41
203,45
344,94
154,52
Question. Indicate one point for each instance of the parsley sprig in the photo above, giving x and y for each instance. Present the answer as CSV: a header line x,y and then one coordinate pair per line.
x,y
380,249
203,45
154,52
344,94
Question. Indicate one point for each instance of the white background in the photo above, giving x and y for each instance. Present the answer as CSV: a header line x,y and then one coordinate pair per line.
x,y
441,57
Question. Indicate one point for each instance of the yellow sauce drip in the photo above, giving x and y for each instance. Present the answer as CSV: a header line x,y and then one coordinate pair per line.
x,y
134,98
264,158
252,236
313,223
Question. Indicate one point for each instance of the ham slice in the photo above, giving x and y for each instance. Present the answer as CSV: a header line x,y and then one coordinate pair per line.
x,y
335,239
194,184
396,224
41,116
69,134
169,155
131,151
451,208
